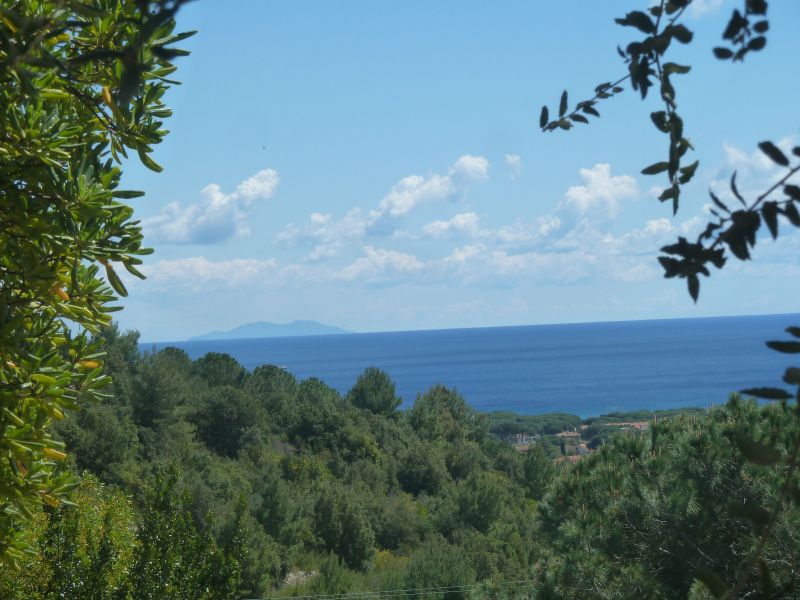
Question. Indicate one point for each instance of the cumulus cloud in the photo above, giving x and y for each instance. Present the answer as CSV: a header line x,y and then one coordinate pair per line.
x,y
475,168
548,225
197,272
328,235
410,192
378,264
514,164
492,258
700,8
601,193
466,226
461,225
216,217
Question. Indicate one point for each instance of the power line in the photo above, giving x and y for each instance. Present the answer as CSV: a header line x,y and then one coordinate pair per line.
x,y
406,592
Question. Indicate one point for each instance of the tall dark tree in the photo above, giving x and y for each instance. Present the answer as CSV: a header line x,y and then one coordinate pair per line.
x,y
374,391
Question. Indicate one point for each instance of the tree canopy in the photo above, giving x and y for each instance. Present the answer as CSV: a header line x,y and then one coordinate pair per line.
x,y
81,86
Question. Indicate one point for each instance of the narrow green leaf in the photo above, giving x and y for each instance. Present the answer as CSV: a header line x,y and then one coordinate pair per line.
x,y
785,347
116,282
792,376
790,212
723,53
735,190
769,212
795,331
718,202
178,37
126,194
134,271
544,118
681,33
562,107
693,281
793,191
671,67
655,168
149,162
768,393
775,153
659,119
669,193
688,172
639,20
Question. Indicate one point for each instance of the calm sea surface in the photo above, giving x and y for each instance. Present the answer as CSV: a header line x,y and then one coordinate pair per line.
x,y
584,369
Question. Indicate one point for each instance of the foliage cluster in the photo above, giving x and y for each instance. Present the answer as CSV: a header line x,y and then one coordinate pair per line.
x,y
81,84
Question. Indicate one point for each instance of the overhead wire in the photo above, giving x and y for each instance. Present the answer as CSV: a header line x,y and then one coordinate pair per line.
x,y
399,593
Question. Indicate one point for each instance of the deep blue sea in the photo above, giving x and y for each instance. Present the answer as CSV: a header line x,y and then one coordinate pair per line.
x,y
585,369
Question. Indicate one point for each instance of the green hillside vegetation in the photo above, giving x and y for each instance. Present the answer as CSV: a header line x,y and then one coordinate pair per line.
x,y
201,479
505,423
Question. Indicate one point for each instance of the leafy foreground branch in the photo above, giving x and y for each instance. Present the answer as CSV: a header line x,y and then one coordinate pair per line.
x,y
81,84
735,231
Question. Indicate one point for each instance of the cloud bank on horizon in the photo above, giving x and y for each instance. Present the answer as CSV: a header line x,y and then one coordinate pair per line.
x,y
574,243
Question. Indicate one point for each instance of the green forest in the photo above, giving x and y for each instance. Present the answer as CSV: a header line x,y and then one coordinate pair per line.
x,y
200,479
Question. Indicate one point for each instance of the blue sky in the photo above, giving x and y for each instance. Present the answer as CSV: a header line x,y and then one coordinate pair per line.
x,y
378,166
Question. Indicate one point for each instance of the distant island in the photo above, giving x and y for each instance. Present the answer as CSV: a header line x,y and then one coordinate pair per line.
x,y
264,329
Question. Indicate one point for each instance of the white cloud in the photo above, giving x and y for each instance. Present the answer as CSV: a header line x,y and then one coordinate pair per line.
x,y
575,243
514,164
601,192
378,264
216,217
329,235
493,259
471,167
548,225
506,235
197,272
461,225
700,8
260,186
410,192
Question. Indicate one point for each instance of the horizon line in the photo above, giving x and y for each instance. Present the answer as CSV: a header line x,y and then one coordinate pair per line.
x,y
384,331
